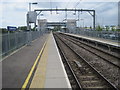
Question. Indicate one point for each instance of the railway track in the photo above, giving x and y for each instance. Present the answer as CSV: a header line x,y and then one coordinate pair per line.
x,y
107,68
110,58
86,74
71,75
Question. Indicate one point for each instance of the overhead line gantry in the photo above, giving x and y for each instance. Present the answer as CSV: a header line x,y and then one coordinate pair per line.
x,y
91,12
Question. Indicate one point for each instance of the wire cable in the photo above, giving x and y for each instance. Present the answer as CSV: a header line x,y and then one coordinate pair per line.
x,y
77,3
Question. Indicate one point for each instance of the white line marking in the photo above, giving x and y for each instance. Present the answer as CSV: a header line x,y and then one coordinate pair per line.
x,y
68,82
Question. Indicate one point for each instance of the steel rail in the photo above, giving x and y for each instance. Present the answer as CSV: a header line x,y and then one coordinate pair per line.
x,y
69,66
73,41
97,72
92,46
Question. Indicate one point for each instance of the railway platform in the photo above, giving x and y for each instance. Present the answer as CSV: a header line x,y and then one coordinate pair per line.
x,y
101,40
50,72
36,66
109,45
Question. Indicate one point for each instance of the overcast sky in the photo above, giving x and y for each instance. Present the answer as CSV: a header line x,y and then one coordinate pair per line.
x,y
13,12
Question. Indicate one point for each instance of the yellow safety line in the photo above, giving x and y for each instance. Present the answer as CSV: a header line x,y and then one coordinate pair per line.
x,y
33,67
39,76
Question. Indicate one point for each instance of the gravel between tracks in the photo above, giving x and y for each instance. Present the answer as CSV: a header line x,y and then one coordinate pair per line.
x,y
109,71
72,57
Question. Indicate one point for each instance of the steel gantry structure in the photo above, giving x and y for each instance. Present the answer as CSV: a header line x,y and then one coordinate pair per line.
x,y
91,12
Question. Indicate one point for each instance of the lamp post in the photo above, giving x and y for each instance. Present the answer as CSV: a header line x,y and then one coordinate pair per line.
x,y
30,5
30,10
29,24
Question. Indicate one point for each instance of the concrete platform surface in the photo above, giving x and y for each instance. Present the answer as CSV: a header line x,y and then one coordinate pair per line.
x,y
102,40
16,67
50,72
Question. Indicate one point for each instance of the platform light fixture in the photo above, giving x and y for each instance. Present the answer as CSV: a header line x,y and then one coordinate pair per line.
x,y
34,3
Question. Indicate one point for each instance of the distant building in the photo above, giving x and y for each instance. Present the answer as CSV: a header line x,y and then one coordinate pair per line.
x,y
42,23
71,25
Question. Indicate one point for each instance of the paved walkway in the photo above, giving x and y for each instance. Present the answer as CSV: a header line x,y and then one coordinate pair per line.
x,y
50,72
16,67
102,40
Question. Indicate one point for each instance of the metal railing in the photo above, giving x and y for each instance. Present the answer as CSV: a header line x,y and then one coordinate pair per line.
x,y
13,41
110,35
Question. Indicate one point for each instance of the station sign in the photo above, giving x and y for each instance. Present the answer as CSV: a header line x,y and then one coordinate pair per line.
x,y
11,28
32,16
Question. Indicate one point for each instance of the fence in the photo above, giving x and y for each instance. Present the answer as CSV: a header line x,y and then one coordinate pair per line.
x,y
111,35
13,41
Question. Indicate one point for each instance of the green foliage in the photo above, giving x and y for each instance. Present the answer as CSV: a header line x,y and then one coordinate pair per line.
x,y
86,27
57,28
118,30
107,28
113,29
3,30
22,28
90,27
33,29
98,28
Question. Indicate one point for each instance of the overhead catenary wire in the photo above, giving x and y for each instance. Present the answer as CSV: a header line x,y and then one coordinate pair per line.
x,y
97,6
77,3
66,8
66,11
75,9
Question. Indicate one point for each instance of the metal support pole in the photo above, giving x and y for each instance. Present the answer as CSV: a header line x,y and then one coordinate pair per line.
x,y
29,6
35,26
66,14
28,22
29,30
8,42
29,25
94,20
93,15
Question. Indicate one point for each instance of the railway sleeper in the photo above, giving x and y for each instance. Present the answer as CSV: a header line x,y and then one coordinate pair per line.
x,y
93,84
88,77
90,83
